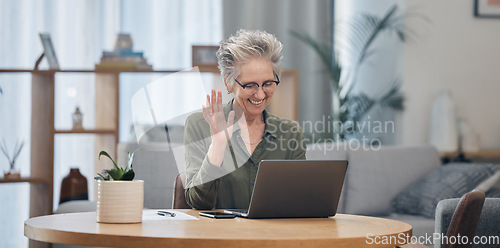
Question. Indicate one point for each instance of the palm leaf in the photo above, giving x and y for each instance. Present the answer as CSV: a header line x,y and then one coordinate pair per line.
x,y
360,34
359,105
393,99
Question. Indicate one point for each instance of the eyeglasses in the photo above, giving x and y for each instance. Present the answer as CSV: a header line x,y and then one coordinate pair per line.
x,y
268,86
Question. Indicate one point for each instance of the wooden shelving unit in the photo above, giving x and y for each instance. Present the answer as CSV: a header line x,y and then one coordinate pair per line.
x,y
106,131
25,180
84,131
43,131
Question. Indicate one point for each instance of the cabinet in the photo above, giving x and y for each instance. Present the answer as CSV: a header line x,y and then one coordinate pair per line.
x,y
106,131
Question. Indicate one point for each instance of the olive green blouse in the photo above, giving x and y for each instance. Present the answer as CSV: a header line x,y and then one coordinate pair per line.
x,y
231,185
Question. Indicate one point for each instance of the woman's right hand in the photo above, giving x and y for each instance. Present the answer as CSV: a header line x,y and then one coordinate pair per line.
x,y
213,112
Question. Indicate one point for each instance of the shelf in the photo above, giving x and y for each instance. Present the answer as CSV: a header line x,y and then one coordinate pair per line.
x,y
86,131
91,71
484,154
24,180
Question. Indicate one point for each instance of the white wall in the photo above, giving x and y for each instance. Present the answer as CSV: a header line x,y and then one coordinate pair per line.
x,y
458,52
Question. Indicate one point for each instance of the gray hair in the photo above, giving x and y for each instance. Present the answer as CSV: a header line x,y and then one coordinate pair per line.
x,y
244,46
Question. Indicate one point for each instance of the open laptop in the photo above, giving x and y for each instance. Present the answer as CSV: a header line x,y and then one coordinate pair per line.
x,y
295,189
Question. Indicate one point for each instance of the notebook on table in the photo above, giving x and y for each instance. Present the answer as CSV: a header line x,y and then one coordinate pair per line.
x,y
295,189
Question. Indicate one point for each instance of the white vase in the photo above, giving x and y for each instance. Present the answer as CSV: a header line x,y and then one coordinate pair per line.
x,y
468,138
443,130
120,201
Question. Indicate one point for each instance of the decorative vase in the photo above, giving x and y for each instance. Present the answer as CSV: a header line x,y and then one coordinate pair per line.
x,y
467,137
443,131
74,187
77,119
120,201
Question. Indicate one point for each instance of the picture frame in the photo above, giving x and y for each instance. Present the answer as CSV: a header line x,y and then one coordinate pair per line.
x,y
205,58
49,51
487,8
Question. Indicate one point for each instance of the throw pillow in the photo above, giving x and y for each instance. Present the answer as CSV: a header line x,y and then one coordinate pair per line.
x,y
493,193
449,181
490,183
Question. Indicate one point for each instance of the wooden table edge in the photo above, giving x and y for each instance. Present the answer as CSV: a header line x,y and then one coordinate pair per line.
x,y
110,240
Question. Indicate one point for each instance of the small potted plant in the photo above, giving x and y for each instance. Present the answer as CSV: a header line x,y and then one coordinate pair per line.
x,y
120,199
13,173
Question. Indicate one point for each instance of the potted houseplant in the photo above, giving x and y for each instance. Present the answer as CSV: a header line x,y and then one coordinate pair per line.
x,y
13,173
349,108
120,199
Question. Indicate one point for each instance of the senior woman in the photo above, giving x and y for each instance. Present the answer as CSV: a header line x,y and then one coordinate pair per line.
x,y
224,144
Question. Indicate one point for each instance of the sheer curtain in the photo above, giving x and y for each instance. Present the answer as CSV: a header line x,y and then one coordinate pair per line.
x,y
80,31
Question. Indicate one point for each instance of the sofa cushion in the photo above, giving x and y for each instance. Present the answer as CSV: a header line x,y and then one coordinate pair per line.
x,y
329,151
374,177
76,206
493,193
326,151
490,183
449,181
158,169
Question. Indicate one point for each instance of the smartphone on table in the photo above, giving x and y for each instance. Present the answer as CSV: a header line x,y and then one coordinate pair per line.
x,y
217,215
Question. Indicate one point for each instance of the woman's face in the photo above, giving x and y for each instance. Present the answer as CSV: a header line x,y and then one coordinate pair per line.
x,y
255,71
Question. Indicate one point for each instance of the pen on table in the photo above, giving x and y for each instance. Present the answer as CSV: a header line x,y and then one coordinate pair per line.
x,y
165,213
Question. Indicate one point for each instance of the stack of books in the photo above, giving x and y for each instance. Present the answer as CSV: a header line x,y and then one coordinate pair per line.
x,y
123,57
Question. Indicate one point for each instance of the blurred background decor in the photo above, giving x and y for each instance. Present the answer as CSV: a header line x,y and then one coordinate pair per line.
x,y
74,187
348,107
12,173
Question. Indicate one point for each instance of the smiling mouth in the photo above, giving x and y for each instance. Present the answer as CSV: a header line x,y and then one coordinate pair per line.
x,y
257,103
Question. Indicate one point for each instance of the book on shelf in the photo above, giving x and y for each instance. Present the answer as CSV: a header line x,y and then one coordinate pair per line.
x,y
123,65
122,53
123,57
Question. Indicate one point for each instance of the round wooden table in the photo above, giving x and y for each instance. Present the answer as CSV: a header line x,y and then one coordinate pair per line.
x,y
338,231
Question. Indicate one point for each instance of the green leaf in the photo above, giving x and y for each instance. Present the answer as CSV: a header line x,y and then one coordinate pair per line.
x,y
104,153
103,177
116,174
130,160
394,99
129,175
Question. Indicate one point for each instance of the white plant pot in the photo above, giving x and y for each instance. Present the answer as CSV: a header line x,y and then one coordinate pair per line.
x,y
120,201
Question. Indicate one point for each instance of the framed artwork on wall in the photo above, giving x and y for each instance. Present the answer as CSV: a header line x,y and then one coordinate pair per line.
x,y
487,8
49,52
205,58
